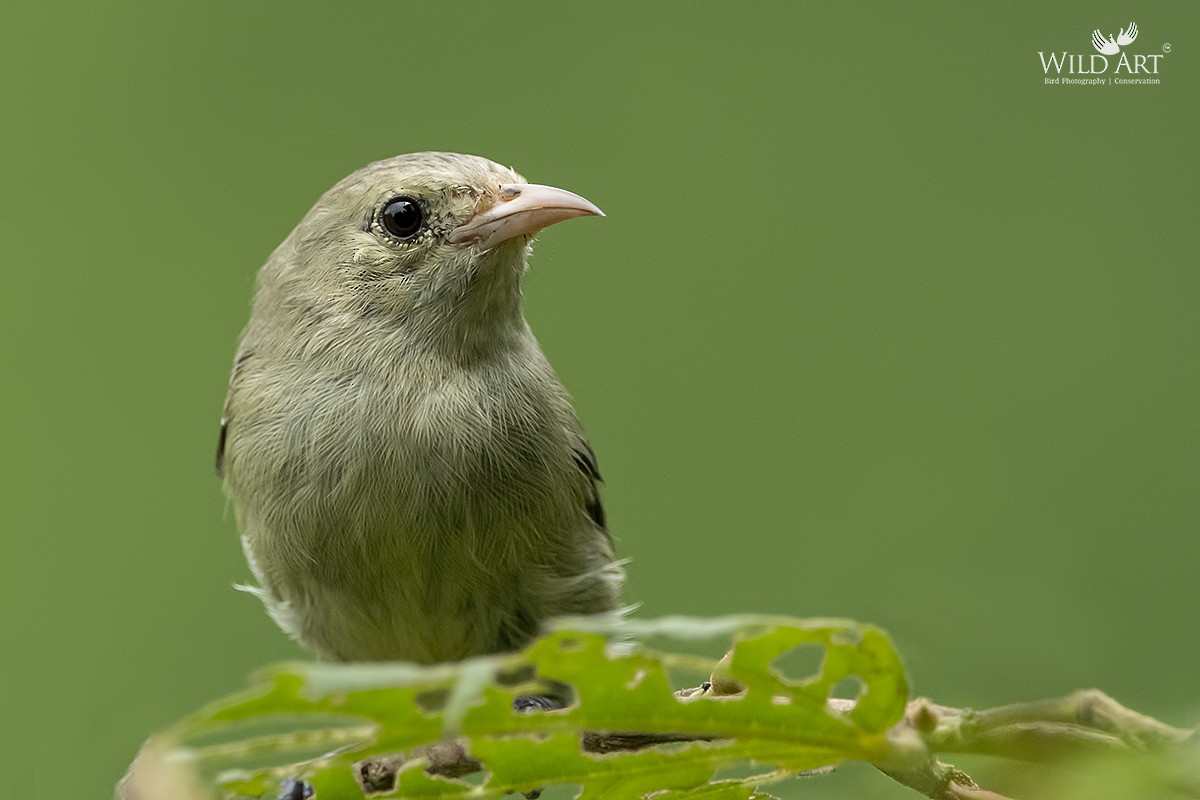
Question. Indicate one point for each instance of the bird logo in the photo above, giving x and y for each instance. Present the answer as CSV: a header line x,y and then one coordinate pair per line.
x,y
1111,46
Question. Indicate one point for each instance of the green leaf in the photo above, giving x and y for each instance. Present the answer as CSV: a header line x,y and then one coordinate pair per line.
x,y
316,721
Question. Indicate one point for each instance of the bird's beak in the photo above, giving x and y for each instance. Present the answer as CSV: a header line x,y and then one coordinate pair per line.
x,y
522,209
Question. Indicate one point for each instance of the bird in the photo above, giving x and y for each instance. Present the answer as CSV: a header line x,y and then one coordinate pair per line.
x,y
408,475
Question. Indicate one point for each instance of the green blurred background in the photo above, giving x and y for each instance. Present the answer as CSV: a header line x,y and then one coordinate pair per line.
x,y
879,325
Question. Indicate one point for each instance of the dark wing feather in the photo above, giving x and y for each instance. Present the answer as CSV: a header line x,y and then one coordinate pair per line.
x,y
242,354
585,459
221,448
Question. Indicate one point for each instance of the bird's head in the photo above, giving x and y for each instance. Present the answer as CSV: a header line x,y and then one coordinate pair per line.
x,y
431,241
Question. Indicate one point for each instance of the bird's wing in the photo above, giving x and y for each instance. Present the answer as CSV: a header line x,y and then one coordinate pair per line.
x,y
243,354
1127,35
585,460
220,462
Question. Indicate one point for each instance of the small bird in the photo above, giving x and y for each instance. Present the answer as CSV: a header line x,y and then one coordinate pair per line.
x,y
409,477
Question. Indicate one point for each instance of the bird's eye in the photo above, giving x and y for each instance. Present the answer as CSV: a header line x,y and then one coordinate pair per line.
x,y
401,217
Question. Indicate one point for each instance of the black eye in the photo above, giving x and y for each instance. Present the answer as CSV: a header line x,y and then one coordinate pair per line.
x,y
401,217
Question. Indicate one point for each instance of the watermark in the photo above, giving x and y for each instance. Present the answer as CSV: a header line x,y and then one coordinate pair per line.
x,y
1111,65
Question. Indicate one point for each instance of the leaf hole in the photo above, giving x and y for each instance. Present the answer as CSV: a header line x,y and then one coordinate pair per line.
x,y
432,701
850,688
737,772
800,664
476,778
685,677
544,696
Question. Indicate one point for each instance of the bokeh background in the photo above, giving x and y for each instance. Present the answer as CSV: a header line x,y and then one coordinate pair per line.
x,y
878,326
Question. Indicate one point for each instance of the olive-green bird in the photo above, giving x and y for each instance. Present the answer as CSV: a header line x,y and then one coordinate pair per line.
x,y
409,477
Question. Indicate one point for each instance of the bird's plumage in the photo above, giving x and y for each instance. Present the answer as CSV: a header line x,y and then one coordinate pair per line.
x,y
409,476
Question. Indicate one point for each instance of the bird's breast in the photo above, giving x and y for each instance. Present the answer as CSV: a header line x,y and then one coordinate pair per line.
x,y
401,470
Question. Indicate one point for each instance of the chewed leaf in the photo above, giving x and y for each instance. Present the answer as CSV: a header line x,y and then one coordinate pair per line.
x,y
718,790
330,724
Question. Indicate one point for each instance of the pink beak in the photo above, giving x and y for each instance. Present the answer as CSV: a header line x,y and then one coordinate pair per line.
x,y
522,209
